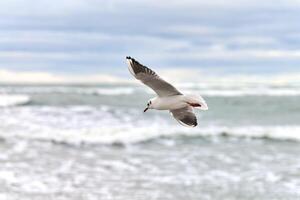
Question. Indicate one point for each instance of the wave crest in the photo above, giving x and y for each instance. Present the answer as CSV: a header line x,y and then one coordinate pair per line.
x,y
131,135
13,100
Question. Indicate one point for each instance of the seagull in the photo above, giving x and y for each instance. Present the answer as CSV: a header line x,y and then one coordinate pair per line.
x,y
168,97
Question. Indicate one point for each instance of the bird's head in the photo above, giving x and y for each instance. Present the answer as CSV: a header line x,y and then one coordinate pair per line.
x,y
149,105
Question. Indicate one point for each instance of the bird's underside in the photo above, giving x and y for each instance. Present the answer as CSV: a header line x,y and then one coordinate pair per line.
x,y
184,115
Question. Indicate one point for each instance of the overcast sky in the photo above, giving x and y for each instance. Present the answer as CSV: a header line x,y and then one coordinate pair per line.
x,y
90,36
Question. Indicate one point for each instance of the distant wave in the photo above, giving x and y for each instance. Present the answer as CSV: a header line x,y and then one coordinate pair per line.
x,y
244,92
92,90
130,134
128,90
252,92
13,100
115,91
286,132
135,135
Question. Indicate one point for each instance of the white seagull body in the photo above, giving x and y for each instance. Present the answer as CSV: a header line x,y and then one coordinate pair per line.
x,y
169,98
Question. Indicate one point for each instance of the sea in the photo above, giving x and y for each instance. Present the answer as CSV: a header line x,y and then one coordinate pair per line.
x,y
93,141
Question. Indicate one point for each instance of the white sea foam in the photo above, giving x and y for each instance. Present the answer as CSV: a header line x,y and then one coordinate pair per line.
x,y
207,91
237,92
13,100
105,124
252,92
203,89
286,132
129,134
115,91
92,90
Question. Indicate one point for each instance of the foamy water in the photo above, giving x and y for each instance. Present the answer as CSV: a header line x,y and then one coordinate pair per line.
x,y
94,142
13,100
229,90
106,125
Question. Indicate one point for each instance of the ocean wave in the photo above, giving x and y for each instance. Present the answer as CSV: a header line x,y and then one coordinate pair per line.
x,y
129,134
251,92
238,92
91,90
142,134
115,91
130,90
13,100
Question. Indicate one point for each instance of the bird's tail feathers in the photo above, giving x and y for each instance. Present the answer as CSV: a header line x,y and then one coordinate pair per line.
x,y
196,101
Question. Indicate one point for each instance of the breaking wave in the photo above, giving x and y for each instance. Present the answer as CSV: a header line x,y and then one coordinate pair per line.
x,y
13,100
109,124
129,90
110,91
252,92
130,134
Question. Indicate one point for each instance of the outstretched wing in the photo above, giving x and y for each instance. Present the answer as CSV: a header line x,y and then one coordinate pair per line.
x,y
185,116
151,79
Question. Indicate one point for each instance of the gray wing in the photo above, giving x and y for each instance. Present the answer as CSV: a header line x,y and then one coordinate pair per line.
x,y
185,116
151,79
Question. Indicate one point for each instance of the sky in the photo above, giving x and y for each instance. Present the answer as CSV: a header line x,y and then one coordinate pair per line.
x,y
88,37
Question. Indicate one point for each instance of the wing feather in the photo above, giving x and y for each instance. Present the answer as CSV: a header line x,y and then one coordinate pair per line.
x,y
151,79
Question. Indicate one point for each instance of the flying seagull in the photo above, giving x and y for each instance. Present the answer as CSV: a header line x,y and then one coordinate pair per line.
x,y
169,98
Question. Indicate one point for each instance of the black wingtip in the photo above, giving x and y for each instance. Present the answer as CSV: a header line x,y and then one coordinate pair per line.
x,y
128,57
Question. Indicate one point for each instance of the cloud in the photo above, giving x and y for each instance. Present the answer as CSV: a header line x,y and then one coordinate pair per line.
x,y
225,54
65,7
7,76
90,36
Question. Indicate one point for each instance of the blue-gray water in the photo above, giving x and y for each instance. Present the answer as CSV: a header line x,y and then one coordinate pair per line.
x,y
94,142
